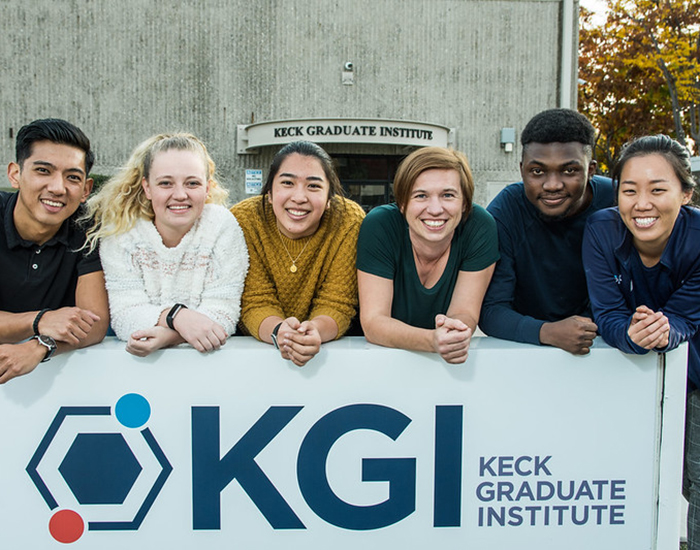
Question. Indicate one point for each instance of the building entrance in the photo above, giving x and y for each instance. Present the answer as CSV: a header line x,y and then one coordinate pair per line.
x,y
367,179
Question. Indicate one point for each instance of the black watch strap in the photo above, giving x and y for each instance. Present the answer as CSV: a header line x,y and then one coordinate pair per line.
x,y
35,324
273,335
49,343
170,318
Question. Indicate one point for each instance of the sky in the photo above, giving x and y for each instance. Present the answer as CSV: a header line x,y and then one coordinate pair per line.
x,y
596,6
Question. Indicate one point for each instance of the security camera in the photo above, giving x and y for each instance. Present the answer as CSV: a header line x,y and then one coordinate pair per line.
x,y
348,66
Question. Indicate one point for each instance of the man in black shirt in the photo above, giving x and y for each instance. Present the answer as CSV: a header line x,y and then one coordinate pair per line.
x,y
52,295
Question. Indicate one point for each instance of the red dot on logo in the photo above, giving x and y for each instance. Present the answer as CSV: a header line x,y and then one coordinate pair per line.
x,y
66,526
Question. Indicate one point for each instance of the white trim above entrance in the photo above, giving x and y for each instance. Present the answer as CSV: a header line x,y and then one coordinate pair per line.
x,y
342,130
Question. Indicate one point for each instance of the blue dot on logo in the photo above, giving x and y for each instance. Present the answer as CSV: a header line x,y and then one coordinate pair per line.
x,y
132,410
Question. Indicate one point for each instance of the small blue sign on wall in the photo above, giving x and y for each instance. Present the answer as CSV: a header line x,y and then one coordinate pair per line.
x,y
253,182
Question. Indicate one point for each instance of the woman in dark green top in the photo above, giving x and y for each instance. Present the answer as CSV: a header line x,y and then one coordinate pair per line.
x,y
425,262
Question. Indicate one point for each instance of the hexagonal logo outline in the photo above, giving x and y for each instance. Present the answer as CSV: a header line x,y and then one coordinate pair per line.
x,y
67,411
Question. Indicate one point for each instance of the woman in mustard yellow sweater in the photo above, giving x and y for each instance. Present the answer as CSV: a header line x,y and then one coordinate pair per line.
x,y
301,288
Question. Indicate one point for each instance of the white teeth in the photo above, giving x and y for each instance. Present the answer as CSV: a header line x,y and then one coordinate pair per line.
x,y
644,222
296,212
52,203
178,207
434,223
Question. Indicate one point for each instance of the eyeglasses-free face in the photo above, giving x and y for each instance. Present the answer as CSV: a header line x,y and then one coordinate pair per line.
x,y
650,197
177,187
299,196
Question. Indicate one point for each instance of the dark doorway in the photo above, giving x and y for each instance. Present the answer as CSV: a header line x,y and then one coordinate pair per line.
x,y
367,179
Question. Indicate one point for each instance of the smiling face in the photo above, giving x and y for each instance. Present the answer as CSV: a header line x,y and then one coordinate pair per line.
x,y
299,196
434,208
52,184
650,197
177,188
555,176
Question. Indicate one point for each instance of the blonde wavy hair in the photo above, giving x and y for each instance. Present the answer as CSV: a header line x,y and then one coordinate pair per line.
x,y
121,201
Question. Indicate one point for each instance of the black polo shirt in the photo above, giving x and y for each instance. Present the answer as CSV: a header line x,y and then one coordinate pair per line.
x,y
36,276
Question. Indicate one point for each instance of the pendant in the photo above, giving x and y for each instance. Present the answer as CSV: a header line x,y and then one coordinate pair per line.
x,y
293,269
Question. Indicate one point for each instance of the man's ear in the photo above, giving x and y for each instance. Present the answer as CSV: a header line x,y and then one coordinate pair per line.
x,y
88,188
13,171
592,165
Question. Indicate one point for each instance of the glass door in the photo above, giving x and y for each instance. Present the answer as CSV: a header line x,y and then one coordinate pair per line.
x,y
367,179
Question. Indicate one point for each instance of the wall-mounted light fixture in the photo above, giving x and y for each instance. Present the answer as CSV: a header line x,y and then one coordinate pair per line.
x,y
348,75
508,139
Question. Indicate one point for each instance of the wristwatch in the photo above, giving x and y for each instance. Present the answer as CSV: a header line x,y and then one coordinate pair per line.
x,y
49,343
170,318
274,335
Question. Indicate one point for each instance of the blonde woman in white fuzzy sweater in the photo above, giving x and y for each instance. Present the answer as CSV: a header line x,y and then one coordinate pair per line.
x,y
174,257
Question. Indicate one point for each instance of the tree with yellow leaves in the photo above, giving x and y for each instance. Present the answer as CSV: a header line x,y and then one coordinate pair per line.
x,y
640,72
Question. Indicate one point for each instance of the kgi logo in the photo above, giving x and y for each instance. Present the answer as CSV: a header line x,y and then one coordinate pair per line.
x,y
103,470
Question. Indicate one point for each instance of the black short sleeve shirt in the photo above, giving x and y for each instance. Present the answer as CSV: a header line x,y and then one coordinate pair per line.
x,y
36,276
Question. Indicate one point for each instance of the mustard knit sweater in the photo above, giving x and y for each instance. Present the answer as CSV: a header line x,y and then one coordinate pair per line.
x,y
326,279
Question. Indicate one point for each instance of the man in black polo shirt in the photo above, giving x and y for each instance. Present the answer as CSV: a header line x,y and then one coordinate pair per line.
x,y
52,296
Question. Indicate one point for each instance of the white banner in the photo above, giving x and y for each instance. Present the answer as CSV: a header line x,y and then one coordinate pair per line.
x,y
521,447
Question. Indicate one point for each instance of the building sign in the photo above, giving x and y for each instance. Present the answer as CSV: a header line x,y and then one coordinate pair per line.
x,y
521,447
253,181
388,132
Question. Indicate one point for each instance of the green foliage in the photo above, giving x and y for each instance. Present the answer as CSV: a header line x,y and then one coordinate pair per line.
x,y
98,181
641,72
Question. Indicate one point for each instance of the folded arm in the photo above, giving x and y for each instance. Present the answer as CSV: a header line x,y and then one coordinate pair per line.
x,y
71,328
498,315
452,333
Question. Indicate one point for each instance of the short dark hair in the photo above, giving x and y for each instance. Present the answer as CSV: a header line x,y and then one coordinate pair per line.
x,y
306,149
55,130
559,126
676,155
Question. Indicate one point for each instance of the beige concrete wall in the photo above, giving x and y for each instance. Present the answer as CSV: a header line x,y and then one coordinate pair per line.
x,y
125,70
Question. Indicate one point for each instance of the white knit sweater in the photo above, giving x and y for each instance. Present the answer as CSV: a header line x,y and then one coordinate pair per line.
x,y
205,271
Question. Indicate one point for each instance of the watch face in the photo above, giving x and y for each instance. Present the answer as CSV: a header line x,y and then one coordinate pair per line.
x,y
50,344
47,341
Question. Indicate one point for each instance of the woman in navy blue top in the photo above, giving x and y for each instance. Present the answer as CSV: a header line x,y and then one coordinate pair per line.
x,y
642,262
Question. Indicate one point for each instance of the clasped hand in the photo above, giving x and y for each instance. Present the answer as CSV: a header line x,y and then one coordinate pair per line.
x,y
299,342
451,339
649,329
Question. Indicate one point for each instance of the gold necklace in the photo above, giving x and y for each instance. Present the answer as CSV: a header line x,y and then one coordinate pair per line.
x,y
293,267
